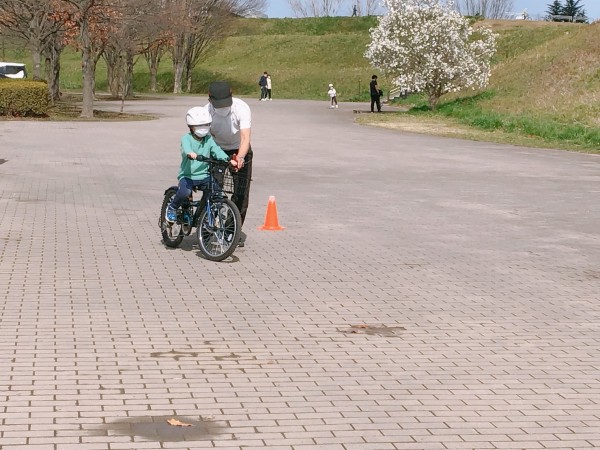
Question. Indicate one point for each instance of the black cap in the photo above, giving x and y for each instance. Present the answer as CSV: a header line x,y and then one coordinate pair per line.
x,y
219,94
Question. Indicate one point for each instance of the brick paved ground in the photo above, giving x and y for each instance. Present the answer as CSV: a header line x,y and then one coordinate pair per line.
x,y
470,272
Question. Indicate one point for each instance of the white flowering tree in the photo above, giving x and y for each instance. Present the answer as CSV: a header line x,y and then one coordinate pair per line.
x,y
427,46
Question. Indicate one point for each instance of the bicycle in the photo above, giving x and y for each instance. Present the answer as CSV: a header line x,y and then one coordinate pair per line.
x,y
216,218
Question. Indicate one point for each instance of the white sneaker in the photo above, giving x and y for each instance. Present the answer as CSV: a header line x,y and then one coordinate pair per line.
x,y
336,106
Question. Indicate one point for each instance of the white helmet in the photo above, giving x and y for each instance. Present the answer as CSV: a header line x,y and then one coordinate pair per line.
x,y
198,115
330,85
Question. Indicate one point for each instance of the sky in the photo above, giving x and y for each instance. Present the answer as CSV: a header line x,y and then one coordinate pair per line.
x,y
535,8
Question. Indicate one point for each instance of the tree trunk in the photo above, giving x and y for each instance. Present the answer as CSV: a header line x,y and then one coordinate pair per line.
x,y
88,70
153,73
113,72
189,82
152,57
36,56
178,75
178,56
128,76
53,70
433,96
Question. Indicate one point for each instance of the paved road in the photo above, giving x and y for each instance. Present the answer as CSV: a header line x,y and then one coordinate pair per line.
x,y
427,293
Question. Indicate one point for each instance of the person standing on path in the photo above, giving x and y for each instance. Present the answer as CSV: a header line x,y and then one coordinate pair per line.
x,y
230,128
375,94
269,87
262,82
332,96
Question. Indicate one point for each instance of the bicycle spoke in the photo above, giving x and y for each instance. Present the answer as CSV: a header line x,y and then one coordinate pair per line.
x,y
219,240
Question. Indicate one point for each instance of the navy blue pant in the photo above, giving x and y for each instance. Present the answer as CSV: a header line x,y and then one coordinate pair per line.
x,y
185,189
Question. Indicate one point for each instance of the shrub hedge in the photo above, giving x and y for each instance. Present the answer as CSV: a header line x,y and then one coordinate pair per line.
x,y
23,98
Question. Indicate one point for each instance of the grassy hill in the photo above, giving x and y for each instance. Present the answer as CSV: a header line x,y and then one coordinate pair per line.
x,y
544,89
548,69
545,82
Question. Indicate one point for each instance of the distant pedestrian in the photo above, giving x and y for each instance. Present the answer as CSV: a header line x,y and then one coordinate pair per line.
x,y
354,11
269,87
262,82
332,96
375,94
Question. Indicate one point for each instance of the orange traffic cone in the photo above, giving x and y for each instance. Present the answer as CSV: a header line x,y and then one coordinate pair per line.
x,y
271,222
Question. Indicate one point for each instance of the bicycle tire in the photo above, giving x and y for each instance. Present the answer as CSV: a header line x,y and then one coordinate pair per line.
x,y
219,242
172,233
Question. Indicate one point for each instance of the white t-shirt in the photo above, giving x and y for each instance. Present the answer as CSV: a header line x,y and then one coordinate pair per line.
x,y
226,130
332,93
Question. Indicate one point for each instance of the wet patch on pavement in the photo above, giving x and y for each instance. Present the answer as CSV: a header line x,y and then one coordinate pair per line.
x,y
176,355
211,358
161,429
375,330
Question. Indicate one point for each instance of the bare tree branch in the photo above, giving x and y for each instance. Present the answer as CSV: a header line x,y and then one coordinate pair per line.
x,y
490,9
315,8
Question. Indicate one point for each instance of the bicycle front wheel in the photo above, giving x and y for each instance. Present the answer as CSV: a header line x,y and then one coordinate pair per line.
x,y
219,230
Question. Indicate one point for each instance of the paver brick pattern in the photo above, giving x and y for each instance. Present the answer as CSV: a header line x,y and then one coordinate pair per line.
x,y
486,259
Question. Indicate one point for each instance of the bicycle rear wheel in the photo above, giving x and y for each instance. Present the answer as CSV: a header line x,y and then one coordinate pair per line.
x,y
219,239
172,233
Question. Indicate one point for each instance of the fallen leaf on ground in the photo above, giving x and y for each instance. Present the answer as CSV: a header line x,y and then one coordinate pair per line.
x,y
178,423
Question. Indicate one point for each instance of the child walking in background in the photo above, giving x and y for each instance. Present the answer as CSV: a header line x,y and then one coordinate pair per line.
x,y
332,96
269,87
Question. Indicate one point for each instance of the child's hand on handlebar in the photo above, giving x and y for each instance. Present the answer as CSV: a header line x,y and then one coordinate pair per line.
x,y
192,155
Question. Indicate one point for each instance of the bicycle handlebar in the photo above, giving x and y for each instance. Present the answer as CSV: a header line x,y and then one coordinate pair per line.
x,y
209,160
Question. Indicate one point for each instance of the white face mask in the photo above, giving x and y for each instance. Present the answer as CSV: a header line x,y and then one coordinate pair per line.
x,y
201,131
223,112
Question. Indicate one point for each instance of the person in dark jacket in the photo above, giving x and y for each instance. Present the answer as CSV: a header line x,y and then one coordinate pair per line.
x,y
263,86
375,94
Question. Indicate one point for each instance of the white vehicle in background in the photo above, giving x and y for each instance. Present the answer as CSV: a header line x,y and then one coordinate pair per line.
x,y
12,70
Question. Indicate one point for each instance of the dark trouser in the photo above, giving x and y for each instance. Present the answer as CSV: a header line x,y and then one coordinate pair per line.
x,y
375,100
241,184
185,189
269,93
263,92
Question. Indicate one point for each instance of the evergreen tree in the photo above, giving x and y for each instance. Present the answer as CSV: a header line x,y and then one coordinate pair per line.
x,y
555,8
573,8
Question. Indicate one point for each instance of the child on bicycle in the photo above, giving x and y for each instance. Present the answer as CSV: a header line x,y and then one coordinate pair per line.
x,y
193,173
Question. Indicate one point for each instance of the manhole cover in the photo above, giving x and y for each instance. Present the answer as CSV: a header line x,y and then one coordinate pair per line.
x,y
167,429
375,330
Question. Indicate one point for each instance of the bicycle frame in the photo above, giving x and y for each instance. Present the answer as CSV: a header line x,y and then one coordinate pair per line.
x,y
207,196
216,218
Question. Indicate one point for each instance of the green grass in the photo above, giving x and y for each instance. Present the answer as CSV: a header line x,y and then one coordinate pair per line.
x,y
468,111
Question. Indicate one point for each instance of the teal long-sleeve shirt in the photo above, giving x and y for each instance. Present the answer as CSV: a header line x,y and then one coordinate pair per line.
x,y
198,170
